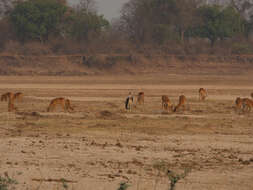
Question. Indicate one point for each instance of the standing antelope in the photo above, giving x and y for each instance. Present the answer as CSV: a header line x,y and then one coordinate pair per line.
x,y
166,103
238,104
202,94
129,102
140,98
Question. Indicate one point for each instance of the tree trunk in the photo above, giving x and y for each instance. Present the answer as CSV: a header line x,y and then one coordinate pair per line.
x,y
212,42
182,36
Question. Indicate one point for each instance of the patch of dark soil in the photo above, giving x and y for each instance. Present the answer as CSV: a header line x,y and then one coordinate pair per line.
x,y
105,114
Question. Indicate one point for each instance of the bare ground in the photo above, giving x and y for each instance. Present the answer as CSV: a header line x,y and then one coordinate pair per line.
x,y
100,144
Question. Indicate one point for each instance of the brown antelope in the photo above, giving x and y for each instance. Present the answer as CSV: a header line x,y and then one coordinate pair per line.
x,y
202,94
243,104
166,103
18,96
10,97
140,98
247,104
7,96
65,103
181,103
238,104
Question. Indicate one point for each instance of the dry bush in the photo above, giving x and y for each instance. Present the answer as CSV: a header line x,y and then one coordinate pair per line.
x,y
241,45
66,46
29,48
12,47
6,33
171,48
35,48
195,46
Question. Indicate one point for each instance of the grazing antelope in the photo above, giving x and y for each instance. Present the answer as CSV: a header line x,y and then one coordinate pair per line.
x,y
166,103
140,98
129,102
247,104
65,103
238,104
181,103
243,104
18,96
7,96
202,94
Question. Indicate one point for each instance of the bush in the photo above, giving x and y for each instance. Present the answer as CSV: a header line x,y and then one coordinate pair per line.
x,y
29,48
241,48
123,186
6,182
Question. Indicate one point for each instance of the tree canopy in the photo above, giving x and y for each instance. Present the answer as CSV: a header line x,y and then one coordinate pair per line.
x,y
218,23
86,25
35,19
158,20
158,23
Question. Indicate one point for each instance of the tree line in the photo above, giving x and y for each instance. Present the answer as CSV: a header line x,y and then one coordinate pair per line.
x,y
157,24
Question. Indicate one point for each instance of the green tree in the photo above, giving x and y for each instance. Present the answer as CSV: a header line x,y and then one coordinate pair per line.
x,y
218,23
87,25
143,20
248,27
158,20
36,19
185,16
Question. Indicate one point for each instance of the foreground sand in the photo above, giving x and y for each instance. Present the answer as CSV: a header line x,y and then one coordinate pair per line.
x,y
101,145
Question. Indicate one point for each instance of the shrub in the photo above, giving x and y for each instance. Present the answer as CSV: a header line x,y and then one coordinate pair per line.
x,y
123,186
241,48
6,182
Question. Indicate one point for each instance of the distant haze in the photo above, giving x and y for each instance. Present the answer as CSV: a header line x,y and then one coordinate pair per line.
x,y
109,8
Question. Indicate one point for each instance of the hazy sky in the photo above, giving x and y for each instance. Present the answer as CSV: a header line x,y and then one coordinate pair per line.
x,y
109,8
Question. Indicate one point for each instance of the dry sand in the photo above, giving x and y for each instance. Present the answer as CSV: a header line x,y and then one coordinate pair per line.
x,y
101,145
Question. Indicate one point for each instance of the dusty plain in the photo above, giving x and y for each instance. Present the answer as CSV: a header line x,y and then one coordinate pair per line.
x,y
101,145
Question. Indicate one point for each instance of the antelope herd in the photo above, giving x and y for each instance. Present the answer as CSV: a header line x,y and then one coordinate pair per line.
x,y
241,104
244,104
